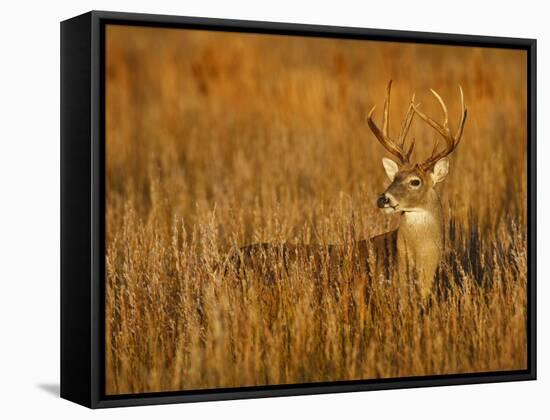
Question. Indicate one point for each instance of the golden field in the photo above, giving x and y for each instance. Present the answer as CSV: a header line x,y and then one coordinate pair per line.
x,y
219,140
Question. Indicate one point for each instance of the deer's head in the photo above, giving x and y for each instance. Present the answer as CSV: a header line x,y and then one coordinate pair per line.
x,y
412,185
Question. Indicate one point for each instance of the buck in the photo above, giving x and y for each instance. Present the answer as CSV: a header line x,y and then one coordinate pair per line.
x,y
415,248
419,238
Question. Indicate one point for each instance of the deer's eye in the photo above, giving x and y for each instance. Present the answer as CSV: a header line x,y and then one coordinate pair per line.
x,y
414,182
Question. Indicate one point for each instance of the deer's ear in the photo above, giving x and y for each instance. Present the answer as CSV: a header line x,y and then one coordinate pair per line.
x,y
390,167
440,171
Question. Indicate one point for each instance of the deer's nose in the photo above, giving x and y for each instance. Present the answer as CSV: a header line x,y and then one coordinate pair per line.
x,y
382,201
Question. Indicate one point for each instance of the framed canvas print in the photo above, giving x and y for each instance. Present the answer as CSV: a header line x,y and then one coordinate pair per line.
x,y
256,209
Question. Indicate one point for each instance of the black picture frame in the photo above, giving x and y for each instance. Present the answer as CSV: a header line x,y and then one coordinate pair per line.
x,y
82,207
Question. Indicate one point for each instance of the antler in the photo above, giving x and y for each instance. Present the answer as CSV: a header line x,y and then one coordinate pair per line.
x,y
451,141
396,148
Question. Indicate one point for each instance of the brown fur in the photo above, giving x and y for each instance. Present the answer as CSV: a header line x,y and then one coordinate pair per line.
x,y
269,259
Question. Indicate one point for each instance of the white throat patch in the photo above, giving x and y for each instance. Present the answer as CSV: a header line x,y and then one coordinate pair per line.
x,y
419,218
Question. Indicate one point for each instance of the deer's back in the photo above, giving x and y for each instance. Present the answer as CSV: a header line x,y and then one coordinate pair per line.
x,y
381,252
271,259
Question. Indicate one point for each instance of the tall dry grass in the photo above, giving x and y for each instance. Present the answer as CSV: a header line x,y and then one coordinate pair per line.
x,y
218,140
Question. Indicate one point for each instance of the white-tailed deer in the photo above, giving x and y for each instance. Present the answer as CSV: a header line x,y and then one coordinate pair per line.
x,y
420,236
415,248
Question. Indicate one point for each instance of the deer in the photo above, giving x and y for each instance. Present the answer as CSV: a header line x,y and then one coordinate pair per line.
x,y
414,249
419,239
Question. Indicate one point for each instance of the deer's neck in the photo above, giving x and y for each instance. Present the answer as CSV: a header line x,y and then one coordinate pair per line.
x,y
420,239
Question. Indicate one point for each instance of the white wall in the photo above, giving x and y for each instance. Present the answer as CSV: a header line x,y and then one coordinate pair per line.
x,y
29,211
